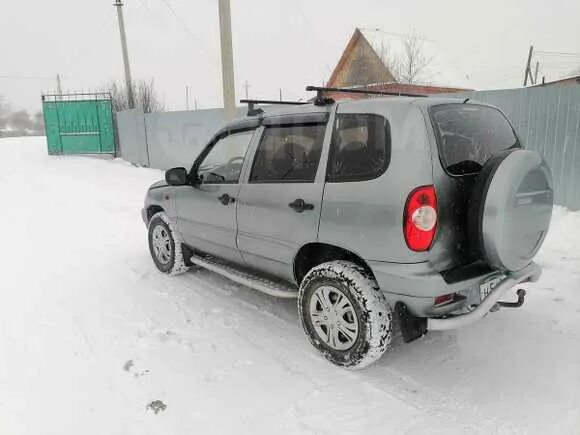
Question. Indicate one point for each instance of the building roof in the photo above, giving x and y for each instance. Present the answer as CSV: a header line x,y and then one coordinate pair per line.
x,y
396,88
375,47
573,80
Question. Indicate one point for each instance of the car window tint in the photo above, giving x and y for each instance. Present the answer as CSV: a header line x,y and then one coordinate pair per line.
x,y
468,135
223,164
288,153
360,149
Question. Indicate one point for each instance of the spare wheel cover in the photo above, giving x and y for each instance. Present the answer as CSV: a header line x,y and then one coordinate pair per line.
x,y
514,209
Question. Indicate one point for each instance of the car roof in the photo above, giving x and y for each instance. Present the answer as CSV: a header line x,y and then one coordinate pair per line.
x,y
273,111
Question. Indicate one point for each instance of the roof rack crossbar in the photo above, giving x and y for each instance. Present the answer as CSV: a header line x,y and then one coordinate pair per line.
x,y
290,103
253,110
321,89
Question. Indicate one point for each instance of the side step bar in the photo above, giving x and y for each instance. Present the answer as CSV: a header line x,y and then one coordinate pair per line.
x,y
272,288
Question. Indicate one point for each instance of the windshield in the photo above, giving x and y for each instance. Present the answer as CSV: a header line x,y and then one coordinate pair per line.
x,y
468,135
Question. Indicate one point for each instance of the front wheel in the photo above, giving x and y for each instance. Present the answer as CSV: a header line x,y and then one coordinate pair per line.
x,y
344,314
167,252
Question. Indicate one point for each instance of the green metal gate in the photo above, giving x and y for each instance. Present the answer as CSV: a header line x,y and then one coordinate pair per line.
x,y
79,123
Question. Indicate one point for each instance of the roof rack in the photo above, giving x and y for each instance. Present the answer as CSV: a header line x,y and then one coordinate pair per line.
x,y
320,100
252,110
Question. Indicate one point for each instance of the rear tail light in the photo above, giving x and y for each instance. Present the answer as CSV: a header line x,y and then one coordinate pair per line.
x,y
420,220
443,299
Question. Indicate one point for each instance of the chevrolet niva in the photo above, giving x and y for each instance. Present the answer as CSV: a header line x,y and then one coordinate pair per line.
x,y
424,209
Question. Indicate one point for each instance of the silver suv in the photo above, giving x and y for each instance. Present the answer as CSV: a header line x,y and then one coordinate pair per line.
x,y
427,210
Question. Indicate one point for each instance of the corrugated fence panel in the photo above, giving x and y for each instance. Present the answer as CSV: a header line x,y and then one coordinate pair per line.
x,y
547,120
167,139
132,139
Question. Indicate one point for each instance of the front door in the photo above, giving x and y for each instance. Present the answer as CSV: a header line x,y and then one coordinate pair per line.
x,y
279,202
206,209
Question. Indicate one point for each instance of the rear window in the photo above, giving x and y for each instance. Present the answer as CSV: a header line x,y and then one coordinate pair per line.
x,y
469,134
360,148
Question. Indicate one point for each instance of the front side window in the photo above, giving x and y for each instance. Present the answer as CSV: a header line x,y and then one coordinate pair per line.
x,y
469,134
223,163
360,149
288,154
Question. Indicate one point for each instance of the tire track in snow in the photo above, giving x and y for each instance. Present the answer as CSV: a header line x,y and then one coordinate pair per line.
x,y
378,378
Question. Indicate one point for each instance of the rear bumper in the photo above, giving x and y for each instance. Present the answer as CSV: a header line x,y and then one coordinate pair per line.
x,y
529,274
417,285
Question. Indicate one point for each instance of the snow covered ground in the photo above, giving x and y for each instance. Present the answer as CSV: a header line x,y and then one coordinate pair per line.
x,y
91,334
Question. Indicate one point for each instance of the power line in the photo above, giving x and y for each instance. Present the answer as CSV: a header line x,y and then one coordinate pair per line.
x,y
398,35
557,53
182,22
8,77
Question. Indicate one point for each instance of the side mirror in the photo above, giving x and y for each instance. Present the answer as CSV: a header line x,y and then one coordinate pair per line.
x,y
176,176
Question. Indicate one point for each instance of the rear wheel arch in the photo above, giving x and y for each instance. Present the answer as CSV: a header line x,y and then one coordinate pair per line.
x,y
312,254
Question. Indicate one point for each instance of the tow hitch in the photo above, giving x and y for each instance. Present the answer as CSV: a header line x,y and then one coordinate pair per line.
x,y
521,298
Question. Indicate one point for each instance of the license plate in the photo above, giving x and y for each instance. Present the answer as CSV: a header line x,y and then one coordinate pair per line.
x,y
489,285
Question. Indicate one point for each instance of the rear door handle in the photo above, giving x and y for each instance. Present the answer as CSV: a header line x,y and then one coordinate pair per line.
x,y
299,205
226,199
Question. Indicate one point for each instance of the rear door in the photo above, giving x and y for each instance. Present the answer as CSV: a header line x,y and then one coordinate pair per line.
x,y
465,137
279,203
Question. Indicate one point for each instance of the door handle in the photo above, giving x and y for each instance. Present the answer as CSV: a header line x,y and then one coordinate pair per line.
x,y
299,205
226,199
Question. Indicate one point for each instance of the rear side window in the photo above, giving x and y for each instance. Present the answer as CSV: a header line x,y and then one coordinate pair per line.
x,y
360,149
469,134
288,154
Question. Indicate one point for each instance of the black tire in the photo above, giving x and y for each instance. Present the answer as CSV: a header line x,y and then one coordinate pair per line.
x,y
373,314
174,260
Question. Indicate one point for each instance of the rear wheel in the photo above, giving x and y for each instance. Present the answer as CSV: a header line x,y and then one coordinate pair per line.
x,y
344,314
167,252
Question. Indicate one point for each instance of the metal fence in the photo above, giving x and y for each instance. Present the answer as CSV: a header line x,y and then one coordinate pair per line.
x,y
167,139
79,123
547,119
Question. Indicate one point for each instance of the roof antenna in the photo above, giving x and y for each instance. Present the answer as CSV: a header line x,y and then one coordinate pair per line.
x,y
466,100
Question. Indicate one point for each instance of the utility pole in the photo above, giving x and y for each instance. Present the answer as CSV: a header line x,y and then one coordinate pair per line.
x,y
130,98
228,83
246,87
58,84
280,94
186,97
528,63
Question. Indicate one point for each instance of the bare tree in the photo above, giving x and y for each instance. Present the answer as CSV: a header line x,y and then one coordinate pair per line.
x,y
19,123
38,123
412,65
19,120
4,110
146,97
392,62
415,64
144,94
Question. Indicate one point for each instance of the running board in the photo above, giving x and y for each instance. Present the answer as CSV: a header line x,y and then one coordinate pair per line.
x,y
264,285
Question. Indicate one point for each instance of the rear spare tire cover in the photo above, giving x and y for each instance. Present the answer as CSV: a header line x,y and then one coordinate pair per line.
x,y
511,209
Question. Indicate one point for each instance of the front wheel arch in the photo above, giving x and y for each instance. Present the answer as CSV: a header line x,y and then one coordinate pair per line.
x,y
152,210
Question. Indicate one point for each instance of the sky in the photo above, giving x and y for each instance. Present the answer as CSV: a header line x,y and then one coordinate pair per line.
x,y
278,44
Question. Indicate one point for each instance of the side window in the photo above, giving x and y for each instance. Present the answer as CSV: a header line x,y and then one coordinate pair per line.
x,y
360,148
223,163
288,154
